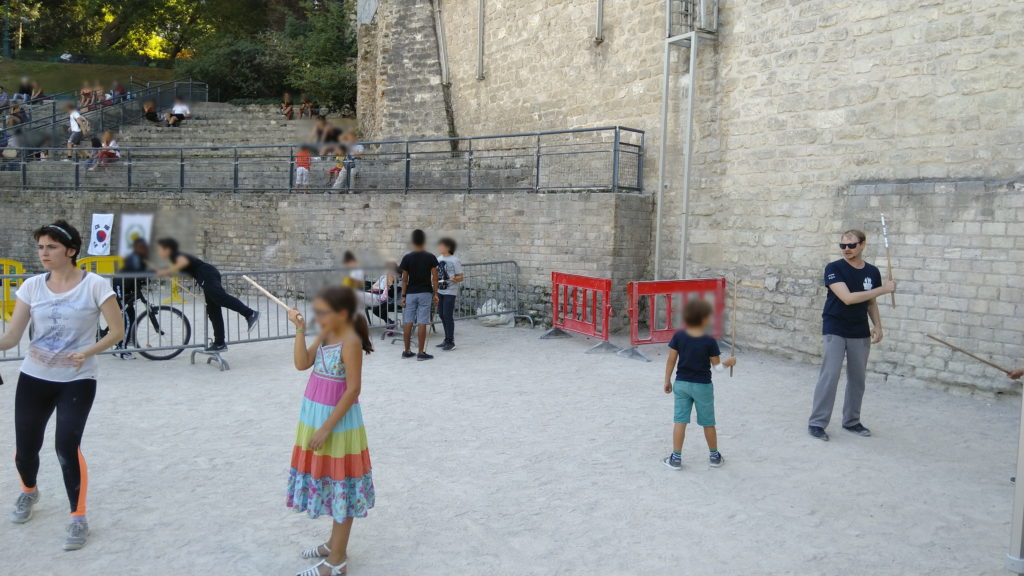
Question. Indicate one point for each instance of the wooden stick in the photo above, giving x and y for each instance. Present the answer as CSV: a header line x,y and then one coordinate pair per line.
x,y
962,351
732,321
888,257
267,293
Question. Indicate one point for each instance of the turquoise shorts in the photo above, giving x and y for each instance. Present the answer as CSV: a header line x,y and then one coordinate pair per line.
x,y
689,394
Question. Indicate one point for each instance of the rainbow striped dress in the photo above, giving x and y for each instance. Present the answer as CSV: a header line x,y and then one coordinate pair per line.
x,y
336,479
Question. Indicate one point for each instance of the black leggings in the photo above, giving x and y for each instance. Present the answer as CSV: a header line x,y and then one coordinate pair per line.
x,y
217,298
34,403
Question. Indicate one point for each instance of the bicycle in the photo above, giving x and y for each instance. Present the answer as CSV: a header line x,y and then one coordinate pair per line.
x,y
167,329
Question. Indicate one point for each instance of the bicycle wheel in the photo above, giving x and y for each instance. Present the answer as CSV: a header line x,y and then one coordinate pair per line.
x,y
161,327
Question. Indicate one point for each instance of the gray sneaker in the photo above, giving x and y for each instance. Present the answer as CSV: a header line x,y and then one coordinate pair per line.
x,y
23,507
78,532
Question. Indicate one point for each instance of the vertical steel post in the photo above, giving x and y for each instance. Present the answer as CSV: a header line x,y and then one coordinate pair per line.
x,y
24,168
599,26
190,90
536,176
234,179
78,173
181,170
408,167
663,143
640,162
615,160
469,166
1015,557
480,42
128,160
291,168
688,155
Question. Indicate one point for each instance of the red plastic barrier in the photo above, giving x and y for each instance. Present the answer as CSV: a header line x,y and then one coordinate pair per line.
x,y
581,304
660,295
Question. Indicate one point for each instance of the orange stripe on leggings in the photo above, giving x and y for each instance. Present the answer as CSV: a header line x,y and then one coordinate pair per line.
x,y
83,487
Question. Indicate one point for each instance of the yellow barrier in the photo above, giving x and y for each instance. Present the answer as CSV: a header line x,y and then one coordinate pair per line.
x,y
101,264
7,289
176,297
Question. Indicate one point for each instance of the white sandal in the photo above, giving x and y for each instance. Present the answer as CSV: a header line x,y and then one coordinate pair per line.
x,y
314,570
314,552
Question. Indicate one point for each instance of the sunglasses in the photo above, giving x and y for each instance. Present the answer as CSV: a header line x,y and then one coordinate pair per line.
x,y
848,246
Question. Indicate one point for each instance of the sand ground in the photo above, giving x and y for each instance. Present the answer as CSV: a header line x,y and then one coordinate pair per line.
x,y
514,455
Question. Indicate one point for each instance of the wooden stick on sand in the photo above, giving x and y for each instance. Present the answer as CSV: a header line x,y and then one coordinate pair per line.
x,y
267,293
962,351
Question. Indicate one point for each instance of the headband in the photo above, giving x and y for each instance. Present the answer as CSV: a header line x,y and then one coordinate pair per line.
x,y
62,231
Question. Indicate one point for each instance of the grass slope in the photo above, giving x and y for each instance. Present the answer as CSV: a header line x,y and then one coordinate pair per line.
x,y
55,77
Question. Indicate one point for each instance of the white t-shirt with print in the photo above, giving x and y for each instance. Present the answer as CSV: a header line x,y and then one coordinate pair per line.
x,y
62,324
73,120
180,109
448,267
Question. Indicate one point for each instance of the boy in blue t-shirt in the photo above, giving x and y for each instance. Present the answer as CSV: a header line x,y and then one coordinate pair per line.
x,y
692,354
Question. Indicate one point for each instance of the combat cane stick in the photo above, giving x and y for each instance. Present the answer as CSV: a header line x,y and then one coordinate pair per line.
x,y
732,352
888,256
267,293
962,351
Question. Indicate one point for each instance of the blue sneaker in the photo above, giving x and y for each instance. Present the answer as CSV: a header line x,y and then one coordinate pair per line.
x,y
716,459
673,461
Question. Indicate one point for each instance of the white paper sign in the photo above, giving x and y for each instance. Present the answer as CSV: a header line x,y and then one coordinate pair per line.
x,y
133,226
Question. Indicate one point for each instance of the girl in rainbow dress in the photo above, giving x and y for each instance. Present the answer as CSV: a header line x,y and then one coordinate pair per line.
x,y
330,469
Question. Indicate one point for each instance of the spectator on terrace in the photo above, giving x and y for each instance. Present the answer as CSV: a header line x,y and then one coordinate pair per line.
x,y
149,112
37,92
93,156
11,152
178,113
351,155
306,107
334,179
77,126
110,152
287,106
302,166
117,92
18,112
4,99
98,95
24,90
85,95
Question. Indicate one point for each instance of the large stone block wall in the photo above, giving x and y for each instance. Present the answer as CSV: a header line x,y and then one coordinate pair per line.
x,y
798,105
569,232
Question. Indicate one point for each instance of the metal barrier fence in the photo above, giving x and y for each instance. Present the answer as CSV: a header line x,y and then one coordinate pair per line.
x,y
609,159
167,321
49,126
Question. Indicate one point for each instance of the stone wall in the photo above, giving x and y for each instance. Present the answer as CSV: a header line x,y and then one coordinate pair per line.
x,y
798,104
571,232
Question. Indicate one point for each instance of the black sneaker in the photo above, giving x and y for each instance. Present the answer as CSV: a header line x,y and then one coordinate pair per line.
x,y
673,461
407,355
716,459
253,319
423,356
442,344
858,429
448,347
215,347
818,432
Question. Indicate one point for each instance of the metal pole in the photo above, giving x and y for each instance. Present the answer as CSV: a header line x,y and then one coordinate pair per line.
x,y
181,170
234,180
408,167
128,159
291,168
469,166
480,43
1015,557
536,181
687,155
442,44
615,160
663,143
599,27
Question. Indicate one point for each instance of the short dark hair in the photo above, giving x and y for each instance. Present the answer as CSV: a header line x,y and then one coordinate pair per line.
x,y
695,311
449,244
419,237
139,240
64,234
169,243
348,257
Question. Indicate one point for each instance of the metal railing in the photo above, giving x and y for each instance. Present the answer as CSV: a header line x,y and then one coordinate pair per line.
x,y
173,316
692,15
51,127
602,159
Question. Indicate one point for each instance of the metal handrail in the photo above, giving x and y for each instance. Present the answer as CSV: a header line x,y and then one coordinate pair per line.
x,y
603,160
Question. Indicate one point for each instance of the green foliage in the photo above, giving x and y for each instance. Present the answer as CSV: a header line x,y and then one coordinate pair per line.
x,y
238,69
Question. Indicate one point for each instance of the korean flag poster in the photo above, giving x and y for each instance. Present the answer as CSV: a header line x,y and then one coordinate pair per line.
x,y
102,226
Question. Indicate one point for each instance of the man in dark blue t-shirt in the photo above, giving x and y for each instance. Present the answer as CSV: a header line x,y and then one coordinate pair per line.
x,y
853,285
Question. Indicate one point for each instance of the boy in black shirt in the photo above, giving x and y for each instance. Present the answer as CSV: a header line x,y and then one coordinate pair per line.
x,y
419,293
692,353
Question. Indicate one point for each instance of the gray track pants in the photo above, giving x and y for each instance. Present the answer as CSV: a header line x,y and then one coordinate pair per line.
x,y
855,350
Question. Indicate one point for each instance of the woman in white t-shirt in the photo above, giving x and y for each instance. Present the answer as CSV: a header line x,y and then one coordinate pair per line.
x,y
59,371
